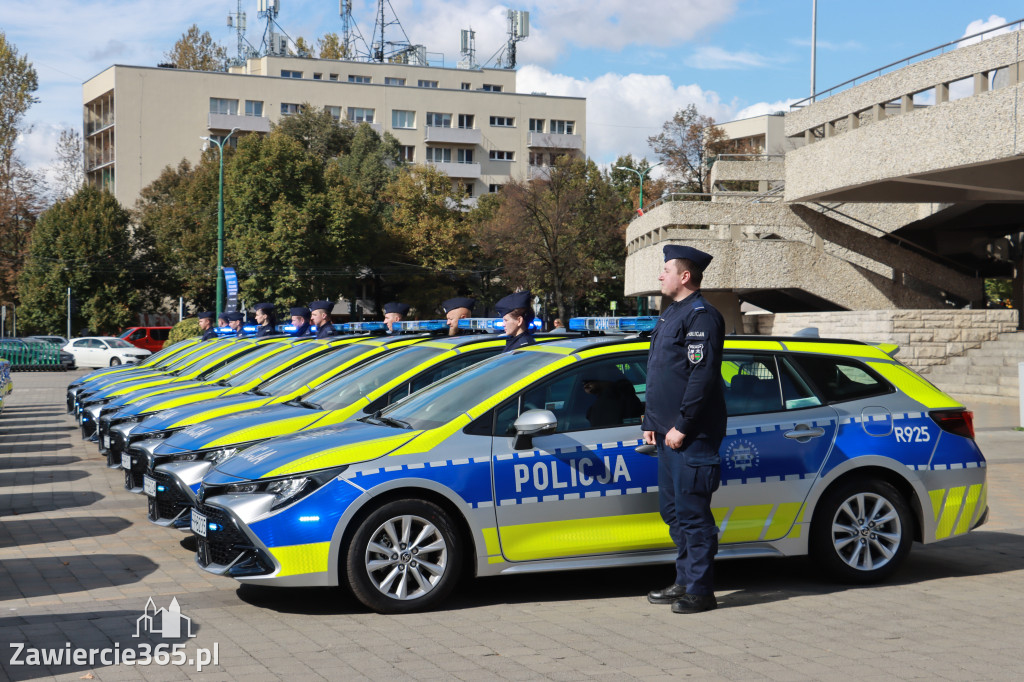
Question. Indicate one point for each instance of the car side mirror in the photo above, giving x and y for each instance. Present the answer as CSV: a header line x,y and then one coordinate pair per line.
x,y
533,423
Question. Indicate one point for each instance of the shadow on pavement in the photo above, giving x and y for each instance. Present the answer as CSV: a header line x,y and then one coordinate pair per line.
x,y
43,431
33,448
30,503
24,532
66,574
33,462
18,478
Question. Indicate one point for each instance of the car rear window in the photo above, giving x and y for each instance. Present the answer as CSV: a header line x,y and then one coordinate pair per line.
x,y
159,334
841,379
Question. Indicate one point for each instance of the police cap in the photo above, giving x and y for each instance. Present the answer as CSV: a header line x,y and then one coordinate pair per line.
x,y
695,256
520,299
265,307
299,312
396,307
205,315
458,302
322,305
234,317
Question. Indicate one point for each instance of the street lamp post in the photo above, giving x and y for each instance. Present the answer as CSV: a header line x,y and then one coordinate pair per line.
x,y
641,176
220,218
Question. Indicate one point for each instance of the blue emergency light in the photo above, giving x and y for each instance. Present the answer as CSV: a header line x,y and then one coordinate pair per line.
x,y
364,327
225,331
250,329
419,326
612,324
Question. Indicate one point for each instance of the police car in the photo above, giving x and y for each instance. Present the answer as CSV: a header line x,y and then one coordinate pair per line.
x,y
528,462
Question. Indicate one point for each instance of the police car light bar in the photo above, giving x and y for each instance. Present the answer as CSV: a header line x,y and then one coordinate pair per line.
x,y
250,328
612,324
225,331
364,327
492,324
420,325
286,328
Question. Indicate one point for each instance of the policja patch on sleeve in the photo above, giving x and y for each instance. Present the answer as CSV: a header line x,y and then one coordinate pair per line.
x,y
695,353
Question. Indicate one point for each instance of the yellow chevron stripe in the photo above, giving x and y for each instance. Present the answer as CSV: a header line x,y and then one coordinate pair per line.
x,y
967,514
299,559
950,511
746,523
782,520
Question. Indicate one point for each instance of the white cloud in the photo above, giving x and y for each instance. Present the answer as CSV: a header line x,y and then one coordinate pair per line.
x,y
979,25
711,57
763,108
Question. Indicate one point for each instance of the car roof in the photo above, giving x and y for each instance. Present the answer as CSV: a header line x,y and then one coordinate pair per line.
x,y
748,342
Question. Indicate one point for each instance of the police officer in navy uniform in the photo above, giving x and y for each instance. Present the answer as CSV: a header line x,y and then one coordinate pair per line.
x,y
236,321
394,312
266,319
300,320
517,313
685,418
222,320
206,325
320,314
456,309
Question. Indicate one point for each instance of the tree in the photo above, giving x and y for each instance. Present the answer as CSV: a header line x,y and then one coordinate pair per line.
x,y
83,242
317,131
22,199
69,168
197,51
627,184
18,81
331,48
685,144
303,49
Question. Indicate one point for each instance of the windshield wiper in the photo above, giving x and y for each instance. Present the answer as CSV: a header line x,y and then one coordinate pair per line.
x,y
310,406
390,421
257,391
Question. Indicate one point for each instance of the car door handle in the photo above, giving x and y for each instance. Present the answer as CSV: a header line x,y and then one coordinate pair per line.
x,y
805,433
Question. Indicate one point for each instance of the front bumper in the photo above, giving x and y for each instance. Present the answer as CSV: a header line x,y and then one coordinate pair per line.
x,y
177,483
228,547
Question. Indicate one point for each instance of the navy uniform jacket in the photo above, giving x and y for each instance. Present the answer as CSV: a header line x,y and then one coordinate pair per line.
x,y
210,333
325,331
303,330
684,375
264,330
514,342
240,334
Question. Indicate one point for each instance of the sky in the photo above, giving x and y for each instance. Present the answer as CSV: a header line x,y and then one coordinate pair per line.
x,y
636,63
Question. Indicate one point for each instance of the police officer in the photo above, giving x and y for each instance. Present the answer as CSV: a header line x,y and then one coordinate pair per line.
x,y
236,321
456,309
394,312
222,319
320,315
300,320
206,325
517,313
266,319
685,418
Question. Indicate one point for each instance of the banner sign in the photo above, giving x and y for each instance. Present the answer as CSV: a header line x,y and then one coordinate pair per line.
x,y
231,280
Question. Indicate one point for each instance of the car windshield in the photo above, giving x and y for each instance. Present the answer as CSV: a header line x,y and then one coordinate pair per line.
x,y
272,363
190,355
361,382
242,362
305,374
445,400
213,359
118,343
167,355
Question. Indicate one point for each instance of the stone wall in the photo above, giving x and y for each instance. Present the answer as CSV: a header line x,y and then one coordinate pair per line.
x,y
925,337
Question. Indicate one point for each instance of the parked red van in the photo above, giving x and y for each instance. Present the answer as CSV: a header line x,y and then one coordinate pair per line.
x,y
150,338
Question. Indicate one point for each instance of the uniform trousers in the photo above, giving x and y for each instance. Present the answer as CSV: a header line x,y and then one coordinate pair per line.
x,y
685,505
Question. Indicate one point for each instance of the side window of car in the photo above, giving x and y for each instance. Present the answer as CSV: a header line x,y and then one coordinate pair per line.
x,y
840,379
796,392
598,394
459,362
751,383
137,334
159,334
83,343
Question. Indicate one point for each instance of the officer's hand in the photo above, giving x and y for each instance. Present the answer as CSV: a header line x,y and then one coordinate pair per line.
x,y
649,437
674,439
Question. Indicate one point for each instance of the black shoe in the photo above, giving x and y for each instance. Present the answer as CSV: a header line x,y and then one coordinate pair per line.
x,y
666,595
695,603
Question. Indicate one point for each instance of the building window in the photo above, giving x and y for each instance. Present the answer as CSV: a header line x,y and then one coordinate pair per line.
x,y
469,189
359,79
503,122
439,154
407,152
464,156
426,84
436,120
223,106
393,81
490,87
318,76
497,155
493,189
465,86
563,127
403,119
466,121
289,109
536,159
536,125
253,107
335,112
333,76
360,115
290,74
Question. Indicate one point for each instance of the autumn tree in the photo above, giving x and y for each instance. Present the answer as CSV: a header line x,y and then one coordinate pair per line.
x,y
69,166
303,48
18,82
685,144
627,183
317,131
197,51
330,47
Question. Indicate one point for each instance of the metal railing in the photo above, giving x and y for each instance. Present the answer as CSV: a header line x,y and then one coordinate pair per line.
x,y
30,355
907,61
750,156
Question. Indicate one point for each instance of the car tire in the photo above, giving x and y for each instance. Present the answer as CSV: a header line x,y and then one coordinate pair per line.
x,y
400,581
862,531
114,362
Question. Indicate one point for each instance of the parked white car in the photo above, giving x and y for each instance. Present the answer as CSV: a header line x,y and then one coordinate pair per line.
x,y
104,351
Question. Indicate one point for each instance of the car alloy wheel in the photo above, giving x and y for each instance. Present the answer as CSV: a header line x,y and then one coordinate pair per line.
x,y
404,556
114,362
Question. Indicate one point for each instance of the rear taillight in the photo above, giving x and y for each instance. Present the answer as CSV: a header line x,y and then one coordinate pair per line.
x,y
960,422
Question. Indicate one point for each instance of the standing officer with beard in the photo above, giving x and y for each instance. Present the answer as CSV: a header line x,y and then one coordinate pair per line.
x,y
456,309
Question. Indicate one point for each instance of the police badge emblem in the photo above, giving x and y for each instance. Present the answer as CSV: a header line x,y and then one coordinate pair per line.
x,y
695,353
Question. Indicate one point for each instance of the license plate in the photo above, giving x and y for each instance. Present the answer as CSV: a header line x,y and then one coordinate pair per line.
x,y
198,523
126,461
149,486
106,442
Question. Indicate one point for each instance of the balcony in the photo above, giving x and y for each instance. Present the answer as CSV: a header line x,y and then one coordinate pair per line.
x,y
452,135
248,124
540,172
457,170
554,141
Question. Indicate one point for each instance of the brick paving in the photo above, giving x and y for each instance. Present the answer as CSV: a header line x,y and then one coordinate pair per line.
x,y
78,560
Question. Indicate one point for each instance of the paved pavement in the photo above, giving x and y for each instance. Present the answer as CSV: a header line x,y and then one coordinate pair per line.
x,y
78,561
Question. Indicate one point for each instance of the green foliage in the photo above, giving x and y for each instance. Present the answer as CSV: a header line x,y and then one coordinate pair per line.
x,y
330,47
18,80
999,291
84,243
197,51
303,48
318,132
185,329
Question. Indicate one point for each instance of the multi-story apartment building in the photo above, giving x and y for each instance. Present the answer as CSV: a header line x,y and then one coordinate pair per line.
x,y
469,123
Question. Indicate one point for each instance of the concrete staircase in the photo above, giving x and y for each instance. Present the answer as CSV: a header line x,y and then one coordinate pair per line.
x,y
989,371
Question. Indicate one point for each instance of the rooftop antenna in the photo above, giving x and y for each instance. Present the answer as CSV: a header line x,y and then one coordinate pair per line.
x,y
468,49
518,30
275,39
350,33
391,50
237,21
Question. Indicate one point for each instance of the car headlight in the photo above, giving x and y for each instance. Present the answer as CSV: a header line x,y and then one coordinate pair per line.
x,y
218,456
286,490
